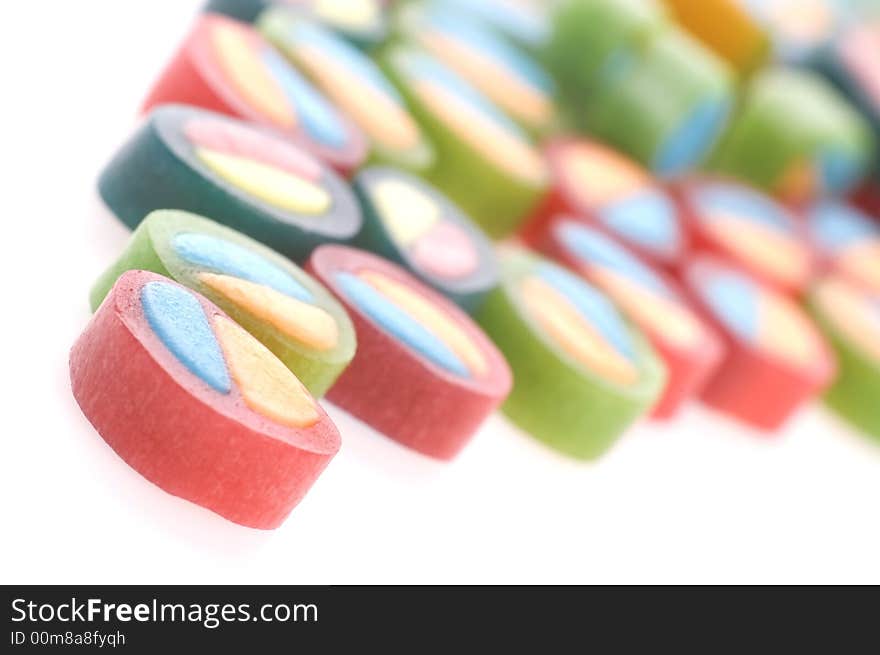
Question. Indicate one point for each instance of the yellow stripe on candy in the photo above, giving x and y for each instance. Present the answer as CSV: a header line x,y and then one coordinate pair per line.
x,y
243,66
786,331
351,14
599,177
862,262
266,385
493,141
852,313
306,323
772,251
676,324
372,109
562,321
272,185
507,91
435,320
407,212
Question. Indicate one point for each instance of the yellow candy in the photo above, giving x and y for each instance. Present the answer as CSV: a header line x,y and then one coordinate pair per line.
x,y
271,185
248,73
852,313
431,317
266,385
306,323
562,321
598,177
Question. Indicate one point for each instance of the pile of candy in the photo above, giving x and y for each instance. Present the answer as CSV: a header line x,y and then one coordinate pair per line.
x,y
580,212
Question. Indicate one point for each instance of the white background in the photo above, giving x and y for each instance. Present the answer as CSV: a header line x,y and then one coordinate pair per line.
x,y
700,500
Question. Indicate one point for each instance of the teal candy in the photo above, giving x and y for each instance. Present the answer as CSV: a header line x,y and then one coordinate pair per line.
x,y
595,307
319,117
177,318
592,247
225,257
400,324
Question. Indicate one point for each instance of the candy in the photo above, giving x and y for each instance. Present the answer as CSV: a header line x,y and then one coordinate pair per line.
x,y
726,26
593,42
748,229
850,318
361,21
278,303
485,163
795,137
511,79
196,405
525,23
355,84
424,374
667,108
411,223
581,375
226,66
688,347
776,359
797,27
850,62
252,181
606,189
848,242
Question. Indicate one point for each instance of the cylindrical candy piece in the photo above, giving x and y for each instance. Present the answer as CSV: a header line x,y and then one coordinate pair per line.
x,y
776,359
226,66
485,162
525,23
609,190
198,406
411,223
850,62
595,41
202,162
848,242
581,375
277,302
355,84
850,318
363,22
728,27
689,348
795,137
668,107
748,229
507,76
424,374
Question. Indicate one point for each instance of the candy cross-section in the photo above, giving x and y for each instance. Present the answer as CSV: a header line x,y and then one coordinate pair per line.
x,y
277,302
582,375
228,67
198,161
198,406
424,374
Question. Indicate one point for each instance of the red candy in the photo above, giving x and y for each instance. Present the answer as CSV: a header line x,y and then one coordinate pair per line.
x,y
431,393
206,446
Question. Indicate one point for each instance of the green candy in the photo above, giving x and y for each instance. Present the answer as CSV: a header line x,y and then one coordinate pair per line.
x,y
185,246
667,107
485,162
556,397
593,41
855,393
356,86
796,137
